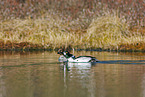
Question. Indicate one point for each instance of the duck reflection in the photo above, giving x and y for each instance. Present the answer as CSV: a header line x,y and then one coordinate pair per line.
x,y
82,66
79,74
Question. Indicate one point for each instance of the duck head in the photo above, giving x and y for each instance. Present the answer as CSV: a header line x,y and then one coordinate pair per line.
x,y
65,53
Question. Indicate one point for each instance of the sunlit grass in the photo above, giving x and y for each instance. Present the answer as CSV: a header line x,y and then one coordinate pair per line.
x,y
48,32
108,31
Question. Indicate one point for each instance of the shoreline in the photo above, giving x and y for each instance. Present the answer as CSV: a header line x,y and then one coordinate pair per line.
x,y
26,46
100,26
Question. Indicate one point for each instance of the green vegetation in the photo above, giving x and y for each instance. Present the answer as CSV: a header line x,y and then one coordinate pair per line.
x,y
87,29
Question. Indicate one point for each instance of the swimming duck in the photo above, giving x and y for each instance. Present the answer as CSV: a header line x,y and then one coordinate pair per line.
x,y
67,57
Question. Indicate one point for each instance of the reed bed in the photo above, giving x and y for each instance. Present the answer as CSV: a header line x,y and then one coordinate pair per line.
x,y
90,24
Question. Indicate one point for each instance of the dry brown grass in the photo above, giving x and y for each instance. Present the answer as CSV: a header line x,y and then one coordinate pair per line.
x,y
83,24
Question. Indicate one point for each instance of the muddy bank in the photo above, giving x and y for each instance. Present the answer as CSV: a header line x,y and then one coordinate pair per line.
x,y
26,46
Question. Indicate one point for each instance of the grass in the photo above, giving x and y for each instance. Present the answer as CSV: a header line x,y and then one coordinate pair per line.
x,y
89,28
44,32
109,31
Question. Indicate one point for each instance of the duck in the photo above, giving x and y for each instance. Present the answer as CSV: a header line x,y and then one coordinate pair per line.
x,y
67,57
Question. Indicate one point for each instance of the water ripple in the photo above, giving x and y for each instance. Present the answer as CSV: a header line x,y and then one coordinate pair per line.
x,y
133,62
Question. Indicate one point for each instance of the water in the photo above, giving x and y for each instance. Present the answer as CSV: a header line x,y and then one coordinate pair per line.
x,y
39,74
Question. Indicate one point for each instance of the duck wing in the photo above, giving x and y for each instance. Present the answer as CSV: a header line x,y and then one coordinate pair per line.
x,y
89,58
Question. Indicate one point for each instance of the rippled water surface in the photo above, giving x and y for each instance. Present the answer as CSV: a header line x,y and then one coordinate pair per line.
x,y
39,74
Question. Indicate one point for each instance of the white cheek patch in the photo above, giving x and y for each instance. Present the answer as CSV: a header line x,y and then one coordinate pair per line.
x,y
64,53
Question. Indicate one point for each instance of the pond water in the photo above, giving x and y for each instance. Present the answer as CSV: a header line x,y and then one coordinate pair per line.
x,y
39,74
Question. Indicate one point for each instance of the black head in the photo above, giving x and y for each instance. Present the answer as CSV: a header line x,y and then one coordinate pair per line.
x,y
67,54
64,53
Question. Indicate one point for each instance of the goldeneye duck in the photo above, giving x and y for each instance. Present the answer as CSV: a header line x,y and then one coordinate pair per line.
x,y
66,56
